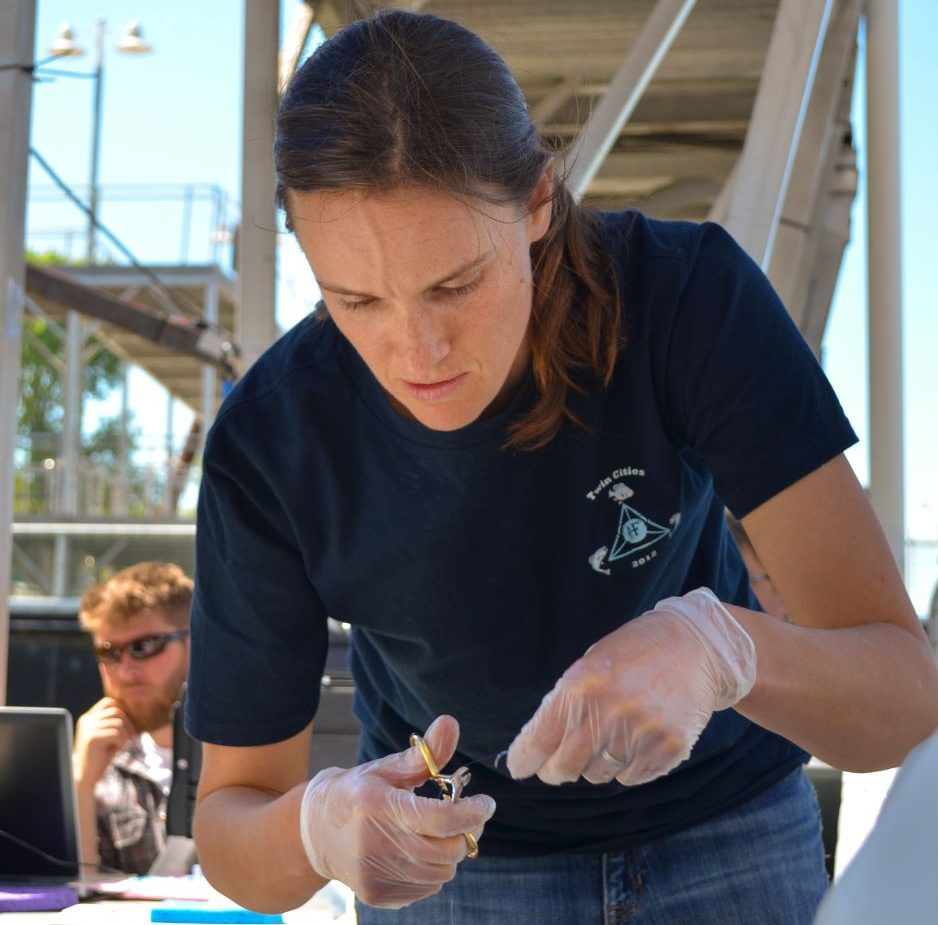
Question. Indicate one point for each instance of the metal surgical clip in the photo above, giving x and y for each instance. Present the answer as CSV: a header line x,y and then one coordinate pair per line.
x,y
451,786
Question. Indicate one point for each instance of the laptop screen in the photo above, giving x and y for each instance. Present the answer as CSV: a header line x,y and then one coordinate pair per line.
x,y
38,821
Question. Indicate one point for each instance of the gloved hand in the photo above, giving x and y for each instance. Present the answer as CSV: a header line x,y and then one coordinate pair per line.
x,y
365,827
633,706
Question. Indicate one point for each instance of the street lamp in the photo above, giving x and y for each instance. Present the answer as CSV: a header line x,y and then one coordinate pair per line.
x,y
65,46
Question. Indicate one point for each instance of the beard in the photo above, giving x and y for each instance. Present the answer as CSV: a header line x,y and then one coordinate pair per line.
x,y
151,709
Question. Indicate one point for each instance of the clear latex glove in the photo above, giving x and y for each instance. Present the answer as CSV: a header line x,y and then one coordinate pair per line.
x,y
633,706
365,827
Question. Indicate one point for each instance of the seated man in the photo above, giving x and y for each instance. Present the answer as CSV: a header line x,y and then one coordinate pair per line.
x,y
139,624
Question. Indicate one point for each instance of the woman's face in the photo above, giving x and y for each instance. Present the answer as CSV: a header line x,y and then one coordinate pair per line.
x,y
434,292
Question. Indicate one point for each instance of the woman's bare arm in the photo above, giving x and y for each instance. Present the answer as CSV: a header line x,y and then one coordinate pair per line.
x,y
246,824
854,680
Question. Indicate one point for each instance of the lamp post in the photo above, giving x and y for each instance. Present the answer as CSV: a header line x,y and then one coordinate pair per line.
x,y
65,46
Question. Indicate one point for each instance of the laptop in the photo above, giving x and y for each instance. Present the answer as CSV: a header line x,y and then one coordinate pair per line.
x,y
38,814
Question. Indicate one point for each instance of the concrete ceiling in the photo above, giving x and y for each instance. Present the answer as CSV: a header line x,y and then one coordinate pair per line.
x,y
691,121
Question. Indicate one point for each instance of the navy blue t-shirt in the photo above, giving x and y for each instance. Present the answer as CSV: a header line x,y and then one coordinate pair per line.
x,y
472,575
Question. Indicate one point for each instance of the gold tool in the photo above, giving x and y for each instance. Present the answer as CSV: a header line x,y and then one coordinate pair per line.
x,y
451,786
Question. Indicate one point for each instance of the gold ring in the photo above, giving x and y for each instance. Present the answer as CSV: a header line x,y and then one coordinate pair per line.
x,y
445,784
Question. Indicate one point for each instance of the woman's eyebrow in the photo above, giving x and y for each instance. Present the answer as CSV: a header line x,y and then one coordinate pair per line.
x,y
472,265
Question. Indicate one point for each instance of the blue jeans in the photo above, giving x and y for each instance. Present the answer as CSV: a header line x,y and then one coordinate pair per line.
x,y
760,863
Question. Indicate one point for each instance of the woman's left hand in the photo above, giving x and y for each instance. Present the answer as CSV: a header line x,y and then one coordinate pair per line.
x,y
633,706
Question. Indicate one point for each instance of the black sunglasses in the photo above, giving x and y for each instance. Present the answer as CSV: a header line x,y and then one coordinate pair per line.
x,y
138,649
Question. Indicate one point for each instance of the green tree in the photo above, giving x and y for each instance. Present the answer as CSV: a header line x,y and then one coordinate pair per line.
x,y
41,401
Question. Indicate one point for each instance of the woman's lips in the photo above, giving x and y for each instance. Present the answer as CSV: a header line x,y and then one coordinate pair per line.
x,y
434,391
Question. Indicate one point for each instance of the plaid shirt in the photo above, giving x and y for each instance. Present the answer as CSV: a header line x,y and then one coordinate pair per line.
x,y
131,810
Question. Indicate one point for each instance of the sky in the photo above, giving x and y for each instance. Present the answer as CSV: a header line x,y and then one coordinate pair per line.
x,y
845,342
173,117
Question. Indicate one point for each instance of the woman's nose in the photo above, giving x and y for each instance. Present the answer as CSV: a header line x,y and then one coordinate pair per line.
x,y
424,342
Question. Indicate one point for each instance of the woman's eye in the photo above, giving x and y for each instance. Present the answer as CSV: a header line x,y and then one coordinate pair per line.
x,y
353,306
455,291
445,292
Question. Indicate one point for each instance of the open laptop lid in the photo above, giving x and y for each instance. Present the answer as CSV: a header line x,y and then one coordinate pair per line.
x,y
38,817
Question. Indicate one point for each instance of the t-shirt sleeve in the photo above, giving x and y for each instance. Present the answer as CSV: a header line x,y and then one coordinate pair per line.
x,y
745,392
259,630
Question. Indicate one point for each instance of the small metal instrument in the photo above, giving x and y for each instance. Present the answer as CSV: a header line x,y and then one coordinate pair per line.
x,y
451,786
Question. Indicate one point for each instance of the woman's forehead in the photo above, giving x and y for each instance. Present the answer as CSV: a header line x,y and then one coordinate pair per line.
x,y
369,235
397,209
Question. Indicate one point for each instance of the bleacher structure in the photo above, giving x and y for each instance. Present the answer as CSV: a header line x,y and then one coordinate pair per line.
x,y
733,110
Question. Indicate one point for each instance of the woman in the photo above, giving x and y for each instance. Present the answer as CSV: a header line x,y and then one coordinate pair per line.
x,y
501,452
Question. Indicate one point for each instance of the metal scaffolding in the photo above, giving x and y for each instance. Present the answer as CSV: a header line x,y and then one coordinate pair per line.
x,y
659,110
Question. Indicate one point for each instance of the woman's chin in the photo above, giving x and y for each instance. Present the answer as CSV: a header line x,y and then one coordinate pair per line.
x,y
444,418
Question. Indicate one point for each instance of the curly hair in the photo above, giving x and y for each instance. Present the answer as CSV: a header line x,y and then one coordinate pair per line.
x,y
159,586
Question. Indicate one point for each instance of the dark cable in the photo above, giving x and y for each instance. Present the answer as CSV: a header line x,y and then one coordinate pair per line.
x,y
40,71
30,68
61,862
157,282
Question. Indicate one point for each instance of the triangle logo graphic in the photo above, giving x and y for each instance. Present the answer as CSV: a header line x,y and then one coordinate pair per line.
x,y
635,532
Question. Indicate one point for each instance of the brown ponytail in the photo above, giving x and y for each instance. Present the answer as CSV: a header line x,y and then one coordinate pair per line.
x,y
575,322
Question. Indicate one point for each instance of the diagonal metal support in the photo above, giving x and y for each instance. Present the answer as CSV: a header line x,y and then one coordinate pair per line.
x,y
550,104
775,126
721,205
34,308
111,553
28,565
180,335
820,150
601,130
55,361
676,200
833,234
328,17
295,38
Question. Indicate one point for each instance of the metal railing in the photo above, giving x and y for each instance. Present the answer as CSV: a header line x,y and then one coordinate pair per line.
x,y
202,214
104,492
151,481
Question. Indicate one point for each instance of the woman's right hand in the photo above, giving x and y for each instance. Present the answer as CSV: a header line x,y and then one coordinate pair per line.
x,y
365,827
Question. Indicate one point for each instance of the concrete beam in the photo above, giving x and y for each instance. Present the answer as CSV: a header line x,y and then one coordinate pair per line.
x,y
665,163
884,268
625,90
17,41
180,335
834,228
819,151
256,327
775,127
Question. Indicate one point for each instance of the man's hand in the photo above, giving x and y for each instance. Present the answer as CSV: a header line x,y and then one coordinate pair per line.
x,y
99,736
365,827
633,706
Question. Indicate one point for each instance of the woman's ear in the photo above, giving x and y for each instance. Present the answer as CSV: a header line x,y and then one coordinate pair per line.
x,y
540,205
